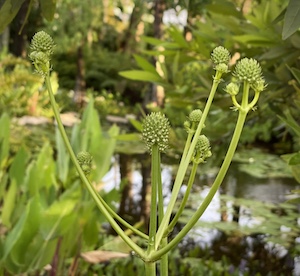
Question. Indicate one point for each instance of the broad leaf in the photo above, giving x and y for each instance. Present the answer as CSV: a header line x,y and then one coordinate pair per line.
x,y
140,75
9,204
291,19
145,64
8,12
48,8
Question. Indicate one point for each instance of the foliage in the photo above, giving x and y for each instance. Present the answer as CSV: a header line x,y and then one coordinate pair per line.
x,y
44,208
255,32
21,92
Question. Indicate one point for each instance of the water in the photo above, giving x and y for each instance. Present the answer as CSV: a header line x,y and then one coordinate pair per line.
x,y
236,184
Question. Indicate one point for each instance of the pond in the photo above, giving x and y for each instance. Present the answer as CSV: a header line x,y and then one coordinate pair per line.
x,y
237,184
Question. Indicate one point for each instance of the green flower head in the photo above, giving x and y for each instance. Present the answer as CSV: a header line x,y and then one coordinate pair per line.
x,y
85,161
202,149
220,55
42,42
232,89
42,46
195,116
156,128
248,70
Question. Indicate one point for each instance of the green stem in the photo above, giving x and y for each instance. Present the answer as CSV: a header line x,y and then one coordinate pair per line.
x,y
185,162
138,250
150,268
219,179
155,175
164,242
212,192
184,200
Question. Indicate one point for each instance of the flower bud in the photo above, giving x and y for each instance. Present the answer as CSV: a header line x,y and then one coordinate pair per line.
x,y
156,128
202,149
248,70
195,116
42,42
85,161
221,67
220,55
259,85
232,89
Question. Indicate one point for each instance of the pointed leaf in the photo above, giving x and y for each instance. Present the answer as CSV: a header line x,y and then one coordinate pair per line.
x,y
8,204
140,75
145,64
291,19
48,8
8,12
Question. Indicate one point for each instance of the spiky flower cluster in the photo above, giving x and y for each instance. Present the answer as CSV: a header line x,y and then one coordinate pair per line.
x,y
232,89
156,128
220,55
202,149
85,161
248,69
42,42
195,116
42,46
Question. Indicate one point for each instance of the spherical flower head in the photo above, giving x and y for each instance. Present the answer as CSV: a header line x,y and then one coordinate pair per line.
x,y
259,85
203,147
195,116
85,161
156,128
232,89
220,55
42,42
248,70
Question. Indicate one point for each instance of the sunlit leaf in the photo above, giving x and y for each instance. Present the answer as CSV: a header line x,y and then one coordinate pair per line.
x,y
145,64
141,76
8,204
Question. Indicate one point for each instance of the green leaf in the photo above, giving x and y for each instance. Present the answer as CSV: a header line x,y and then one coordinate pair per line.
x,y
23,231
151,40
8,12
291,19
295,159
62,159
145,64
4,138
9,203
136,124
129,137
18,166
48,8
295,72
140,75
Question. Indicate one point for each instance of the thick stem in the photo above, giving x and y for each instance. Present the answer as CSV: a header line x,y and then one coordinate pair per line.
x,y
138,250
150,268
155,175
164,242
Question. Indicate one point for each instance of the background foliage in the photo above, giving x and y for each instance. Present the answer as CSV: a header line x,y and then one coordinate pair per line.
x,y
116,56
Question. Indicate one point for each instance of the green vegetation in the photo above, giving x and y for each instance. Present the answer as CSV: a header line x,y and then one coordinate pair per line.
x,y
112,65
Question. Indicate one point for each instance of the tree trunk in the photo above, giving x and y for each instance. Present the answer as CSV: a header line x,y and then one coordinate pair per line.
x,y
128,42
157,92
126,204
18,41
